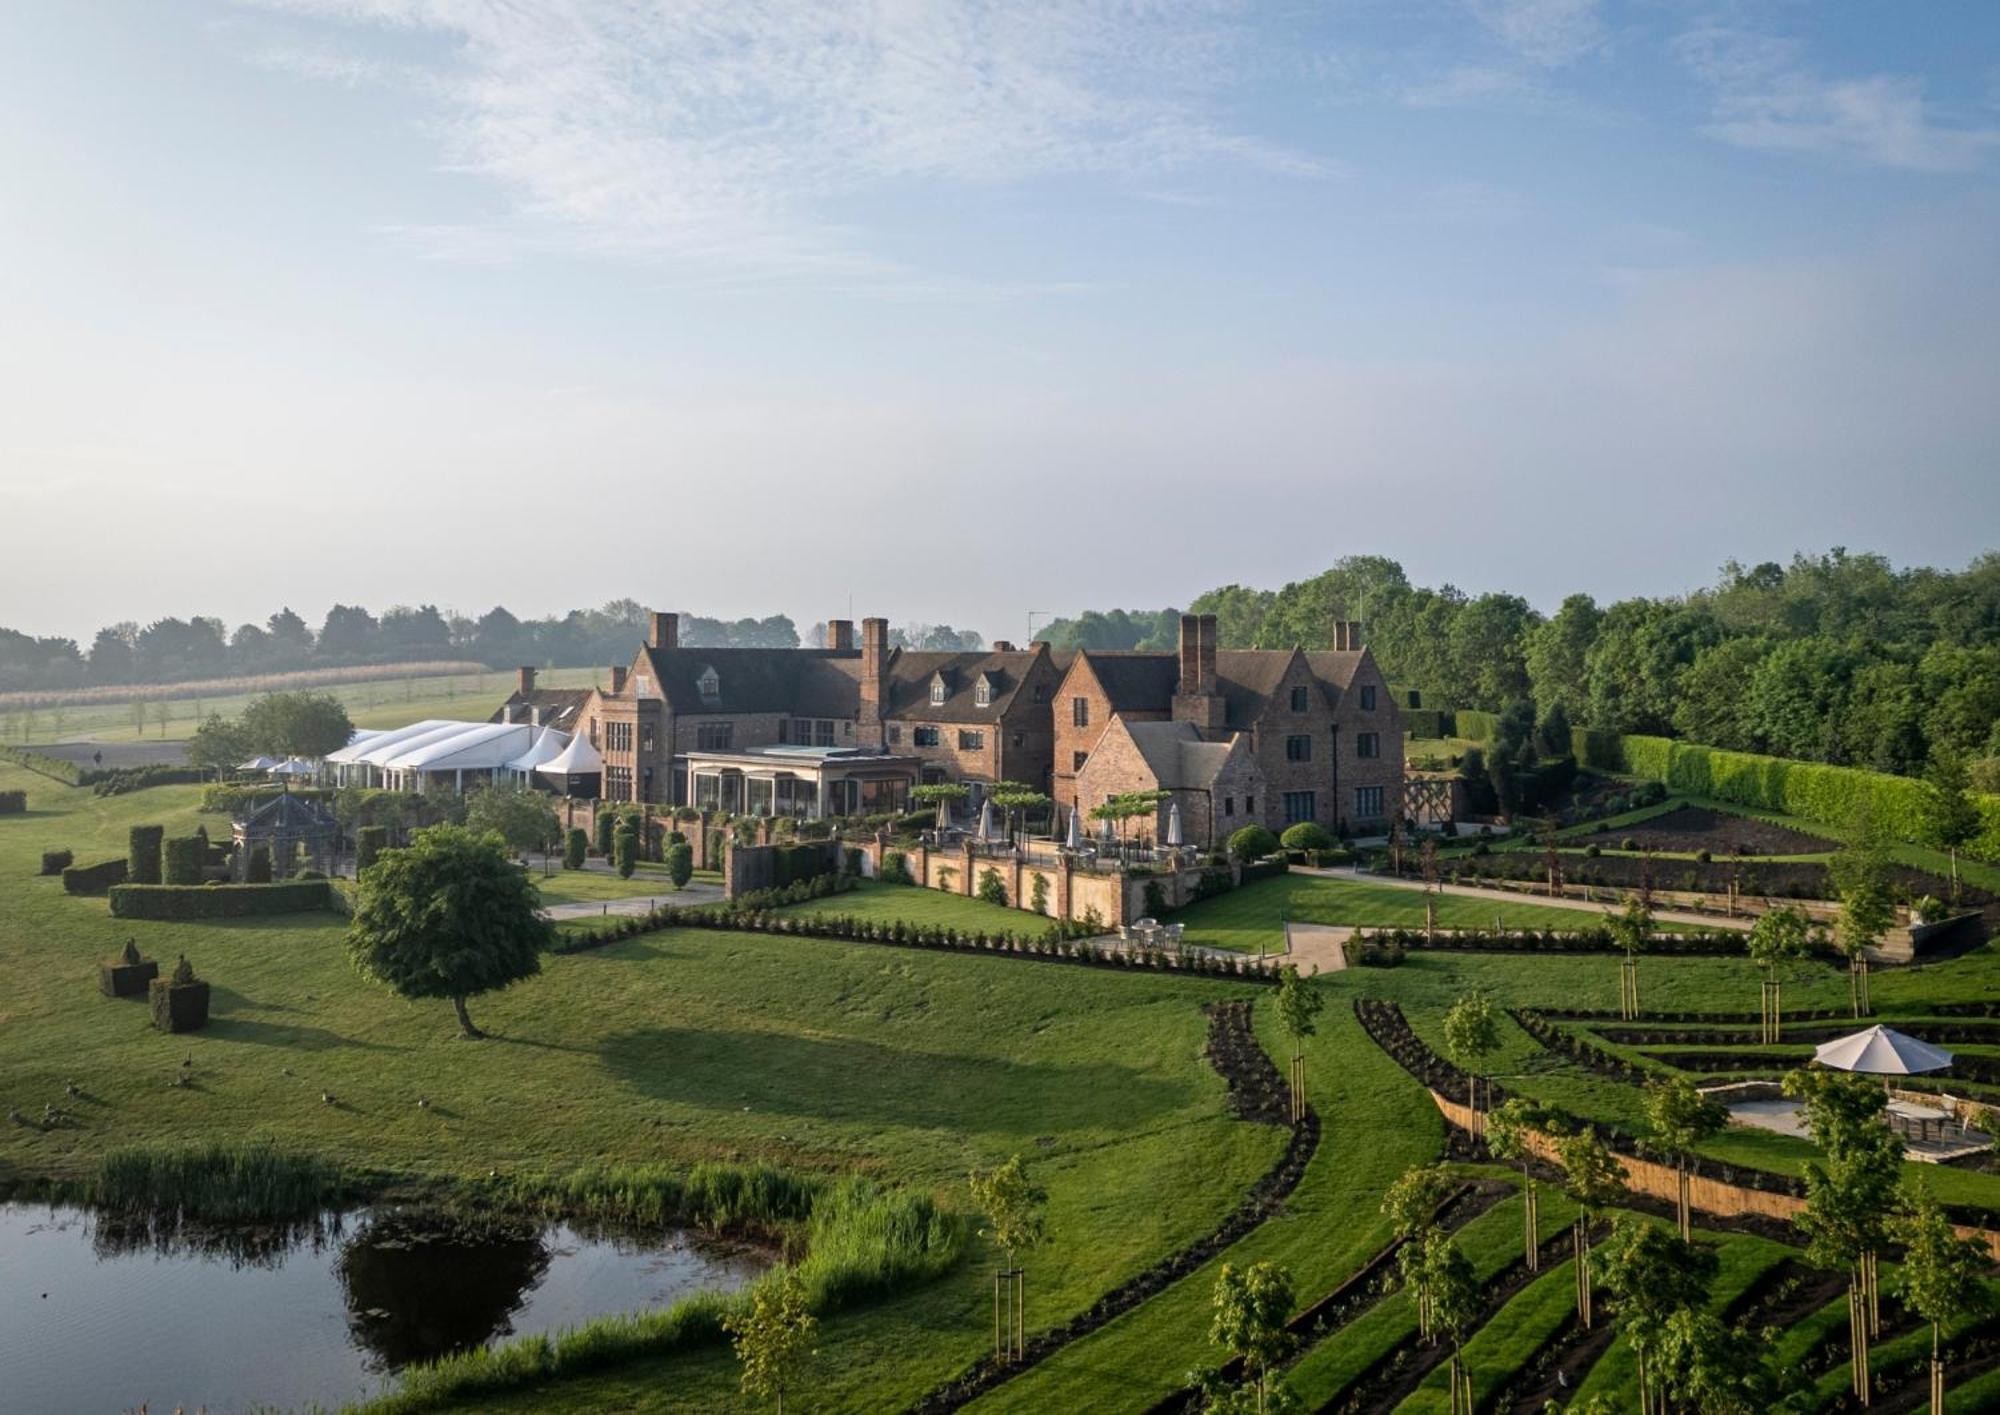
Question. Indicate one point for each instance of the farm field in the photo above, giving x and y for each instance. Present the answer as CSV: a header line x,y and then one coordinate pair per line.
x,y
912,1066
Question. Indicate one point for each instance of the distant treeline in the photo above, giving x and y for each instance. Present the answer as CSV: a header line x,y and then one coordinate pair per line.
x,y
1836,658
181,650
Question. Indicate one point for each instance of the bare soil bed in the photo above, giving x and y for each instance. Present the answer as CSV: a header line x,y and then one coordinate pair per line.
x,y
1687,829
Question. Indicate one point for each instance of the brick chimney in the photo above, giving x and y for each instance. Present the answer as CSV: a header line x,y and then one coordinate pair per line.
x,y
524,680
874,677
618,671
1196,700
840,634
1002,646
666,631
1347,635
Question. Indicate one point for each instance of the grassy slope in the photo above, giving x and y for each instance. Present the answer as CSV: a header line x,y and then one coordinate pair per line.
x,y
671,1047
932,907
1375,1122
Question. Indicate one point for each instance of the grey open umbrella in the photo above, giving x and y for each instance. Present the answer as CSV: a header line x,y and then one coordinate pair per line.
x,y
1075,840
1882,1051
1174,824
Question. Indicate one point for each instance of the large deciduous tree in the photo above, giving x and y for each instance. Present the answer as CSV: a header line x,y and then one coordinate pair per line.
x,y
448,917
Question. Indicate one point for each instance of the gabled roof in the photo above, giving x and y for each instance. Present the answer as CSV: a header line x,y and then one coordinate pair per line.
x,y
1177,755
1133,680
808,682
553,707
1247,680
288,813
911,672
1336,667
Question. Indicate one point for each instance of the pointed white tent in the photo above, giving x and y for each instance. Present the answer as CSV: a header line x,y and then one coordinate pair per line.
x,y
1882,1051
547,746
578,758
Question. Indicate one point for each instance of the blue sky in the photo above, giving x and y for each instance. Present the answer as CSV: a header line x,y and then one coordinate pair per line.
x,y
962,310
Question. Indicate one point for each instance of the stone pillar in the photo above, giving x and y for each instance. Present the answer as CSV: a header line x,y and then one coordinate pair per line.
x,y
965,883
1065,884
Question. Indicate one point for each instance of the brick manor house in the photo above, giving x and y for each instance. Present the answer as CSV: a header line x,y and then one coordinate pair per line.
x,y
1237,736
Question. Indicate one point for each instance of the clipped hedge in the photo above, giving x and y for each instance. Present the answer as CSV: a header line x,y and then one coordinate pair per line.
x,y
116,781
219,901
182,859
369,843
234,799
143,859
13,803
94,879
1476,726
1827,795
45,765
54,862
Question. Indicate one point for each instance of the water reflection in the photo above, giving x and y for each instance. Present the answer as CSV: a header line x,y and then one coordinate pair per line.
x,y
319,1312
419,1286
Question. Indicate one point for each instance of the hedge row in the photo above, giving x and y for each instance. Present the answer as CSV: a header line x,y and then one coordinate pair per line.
x,y
1475,726
1722,943
219,901
182,859
94,879
116,781
234,799
46,765
1828,795
13,803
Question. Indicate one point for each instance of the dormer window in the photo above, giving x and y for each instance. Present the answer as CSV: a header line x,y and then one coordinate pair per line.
x,y
982,692
937,690
709,684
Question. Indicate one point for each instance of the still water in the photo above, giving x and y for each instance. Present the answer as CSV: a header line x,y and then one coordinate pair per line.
x,y
101,1315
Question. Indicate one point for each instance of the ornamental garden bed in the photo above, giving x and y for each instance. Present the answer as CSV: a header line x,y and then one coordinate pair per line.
x,y
1689,829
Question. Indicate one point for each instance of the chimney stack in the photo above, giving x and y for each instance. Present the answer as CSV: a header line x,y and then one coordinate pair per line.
x,y
1002,646
874,677
666,632
618,671
1196,700
1347,635
840,634
524,680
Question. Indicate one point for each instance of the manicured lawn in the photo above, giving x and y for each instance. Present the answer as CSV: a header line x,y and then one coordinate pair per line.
x,y
1251,919
649,881
673,1047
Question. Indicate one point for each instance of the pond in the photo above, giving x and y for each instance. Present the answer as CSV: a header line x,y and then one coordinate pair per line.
x,y
102,1314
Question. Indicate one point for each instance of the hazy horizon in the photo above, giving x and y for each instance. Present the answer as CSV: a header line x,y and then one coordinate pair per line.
x,y
957,311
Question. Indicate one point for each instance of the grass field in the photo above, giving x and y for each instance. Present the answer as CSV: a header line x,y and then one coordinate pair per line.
x,y
380,702
1251,919
910,1065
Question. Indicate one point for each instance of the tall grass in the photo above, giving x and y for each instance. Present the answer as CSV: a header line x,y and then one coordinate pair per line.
x,y
714,1196
862,1241
220,1182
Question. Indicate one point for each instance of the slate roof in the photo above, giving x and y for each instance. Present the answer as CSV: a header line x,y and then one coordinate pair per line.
x,y
911,671
1136,681
559,706
1177,755
804,682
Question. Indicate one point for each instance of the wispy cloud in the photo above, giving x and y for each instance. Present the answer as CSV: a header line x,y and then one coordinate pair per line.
x,y
1547,33
738,131
1764,96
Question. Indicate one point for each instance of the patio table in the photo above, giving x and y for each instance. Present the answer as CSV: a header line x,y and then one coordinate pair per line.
x,y
1922,1116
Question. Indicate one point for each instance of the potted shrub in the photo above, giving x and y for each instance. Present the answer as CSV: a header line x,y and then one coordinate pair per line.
x,y
180,1003
128,974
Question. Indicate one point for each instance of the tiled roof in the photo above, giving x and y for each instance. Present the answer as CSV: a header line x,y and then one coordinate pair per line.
x,y
558,706
911,672
1177,755
808,682
1135,681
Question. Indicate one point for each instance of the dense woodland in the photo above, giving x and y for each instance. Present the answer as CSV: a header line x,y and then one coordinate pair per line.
x,y
1835,658
180,650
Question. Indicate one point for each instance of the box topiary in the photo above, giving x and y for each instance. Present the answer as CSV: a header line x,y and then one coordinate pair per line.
x,y
54,862
182,857
179,1003
258,868
369,843
142,862
127,975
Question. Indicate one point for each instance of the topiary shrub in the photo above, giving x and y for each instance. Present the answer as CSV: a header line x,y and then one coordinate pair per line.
x,y
992,888
1628,843
1253,842
896,868
1591,852
680,863
1484,847
625,849
179,1003
605,823
1703,856
1306,837
182,857
1155,899
13,803
142,859
576,848
369,843
54,862
128,975
258,870
93,879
